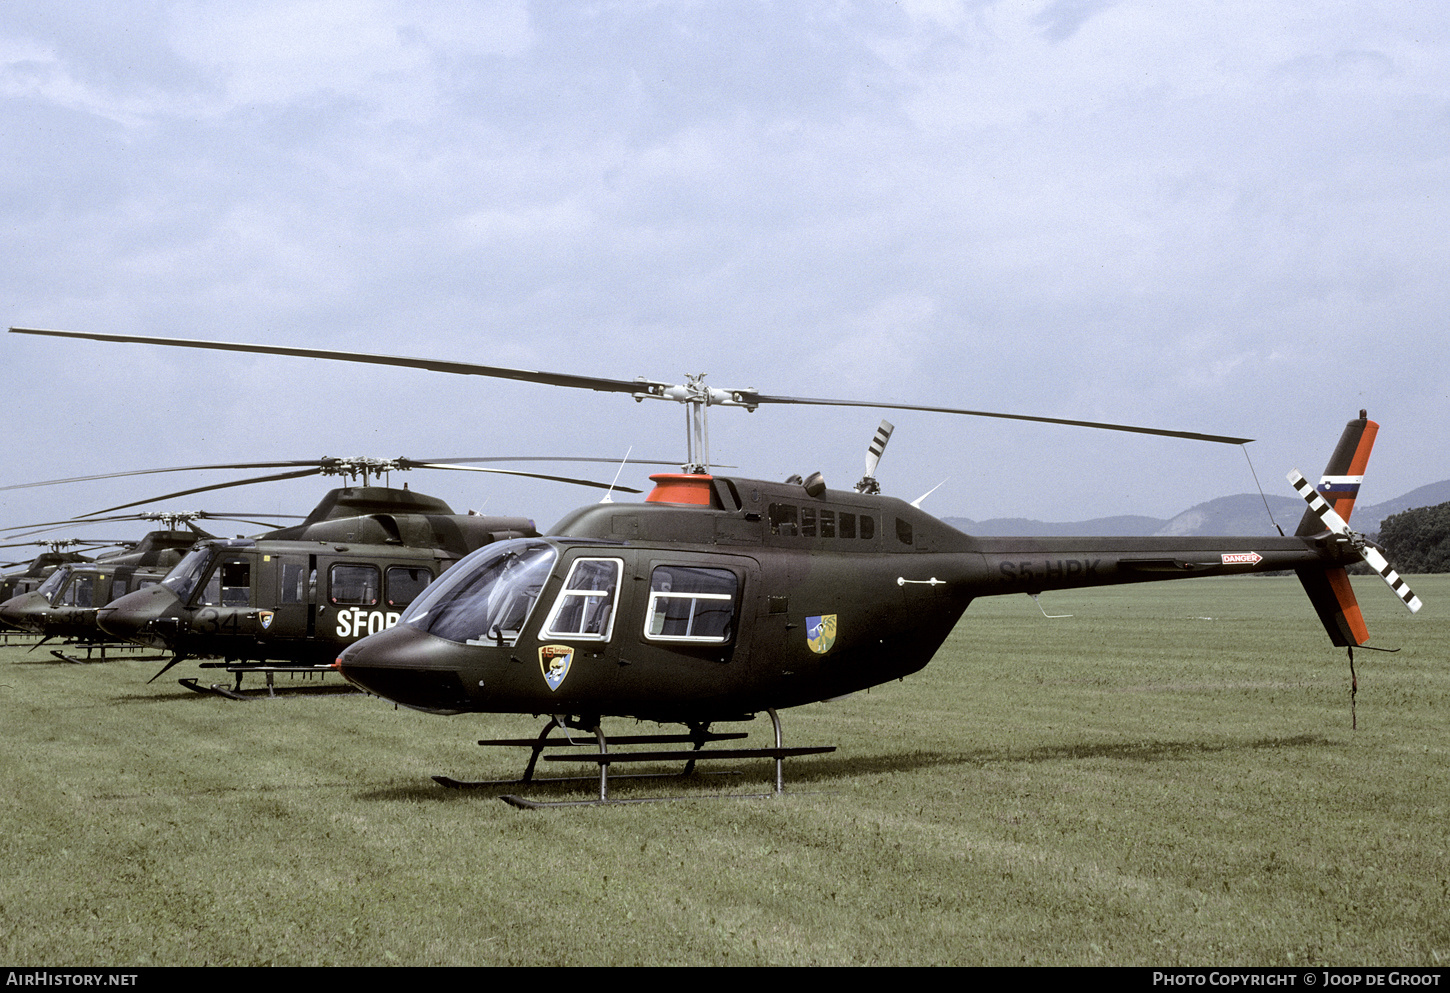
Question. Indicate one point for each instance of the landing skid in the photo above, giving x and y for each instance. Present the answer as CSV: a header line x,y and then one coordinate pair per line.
x,y
698,736
240,669
88,660
194,685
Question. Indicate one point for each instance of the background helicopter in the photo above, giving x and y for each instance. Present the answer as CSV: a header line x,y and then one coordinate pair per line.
x,y
721,597
65,604
36,571
296,595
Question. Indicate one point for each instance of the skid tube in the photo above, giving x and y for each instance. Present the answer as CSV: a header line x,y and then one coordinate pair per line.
x,y
699,735
239,669
101,646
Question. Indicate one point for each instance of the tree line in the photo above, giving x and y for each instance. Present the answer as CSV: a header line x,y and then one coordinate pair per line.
x,y
1418,540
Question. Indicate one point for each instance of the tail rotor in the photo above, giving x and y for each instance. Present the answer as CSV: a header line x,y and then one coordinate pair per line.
x,y
868,482
1355,540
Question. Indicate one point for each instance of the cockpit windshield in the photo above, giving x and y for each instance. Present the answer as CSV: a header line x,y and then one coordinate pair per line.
x,y
486,598
184,576
53,583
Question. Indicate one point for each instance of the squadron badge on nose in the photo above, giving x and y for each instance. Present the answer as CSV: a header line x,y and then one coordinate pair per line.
x,y
554,663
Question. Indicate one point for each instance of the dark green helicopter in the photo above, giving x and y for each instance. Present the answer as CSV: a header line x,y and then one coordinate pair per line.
x,y
296,596
39,568
64,606
720,597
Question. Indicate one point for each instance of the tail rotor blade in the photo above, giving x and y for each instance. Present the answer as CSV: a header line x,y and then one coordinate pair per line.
x,y
868,482
1379,564
877,446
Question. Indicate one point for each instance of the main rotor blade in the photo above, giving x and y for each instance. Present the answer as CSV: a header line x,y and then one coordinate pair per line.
x,y
205,489
93,542
434,365
528,475
750,398
58,525
544,458
634,387
318,471
405,463
178,468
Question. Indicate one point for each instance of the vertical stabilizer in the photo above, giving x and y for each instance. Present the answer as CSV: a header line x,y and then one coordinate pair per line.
x,y
1340,483
1334,602
1329,590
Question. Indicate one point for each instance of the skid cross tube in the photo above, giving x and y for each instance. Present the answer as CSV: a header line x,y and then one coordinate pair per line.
x,y
601,755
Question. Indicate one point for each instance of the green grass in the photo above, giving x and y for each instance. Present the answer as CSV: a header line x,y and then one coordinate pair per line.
x,y
1166,777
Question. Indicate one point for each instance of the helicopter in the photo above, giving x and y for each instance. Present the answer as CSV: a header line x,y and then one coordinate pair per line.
x,y
294,596
721,597
38,570
65,604
35,572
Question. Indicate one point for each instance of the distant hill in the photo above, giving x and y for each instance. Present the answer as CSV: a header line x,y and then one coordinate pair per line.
x,y
1232,515
1426,496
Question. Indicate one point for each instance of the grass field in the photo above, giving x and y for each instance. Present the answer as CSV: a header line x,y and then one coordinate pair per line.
x,y
1166,777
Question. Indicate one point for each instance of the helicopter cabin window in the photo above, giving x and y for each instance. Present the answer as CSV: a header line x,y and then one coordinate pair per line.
x,y
354,584
230,585
783,519
903,531
296,582
80,592
808,522
405,583
585,607
118,588
691,604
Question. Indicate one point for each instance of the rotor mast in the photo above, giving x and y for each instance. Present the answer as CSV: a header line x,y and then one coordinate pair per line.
x,y
697,398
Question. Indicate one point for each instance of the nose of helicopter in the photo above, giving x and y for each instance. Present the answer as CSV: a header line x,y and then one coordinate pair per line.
x,y
407,666
141,617
15,613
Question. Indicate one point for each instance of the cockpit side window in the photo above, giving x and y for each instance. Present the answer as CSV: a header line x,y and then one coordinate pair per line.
x,y
80,592
688,603
236,583
230,585
584,610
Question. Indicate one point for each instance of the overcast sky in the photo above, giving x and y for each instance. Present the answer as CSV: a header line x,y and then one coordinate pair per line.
x,y
1226,217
